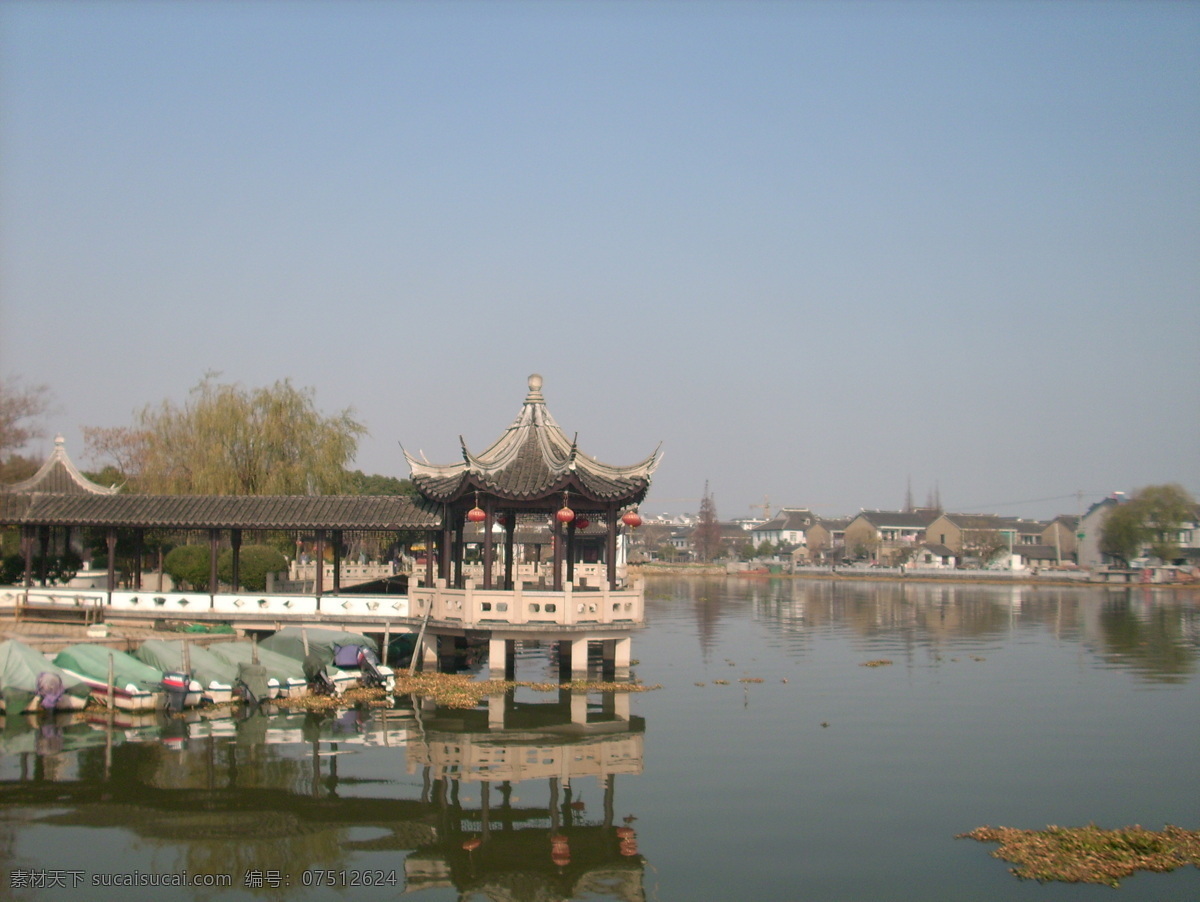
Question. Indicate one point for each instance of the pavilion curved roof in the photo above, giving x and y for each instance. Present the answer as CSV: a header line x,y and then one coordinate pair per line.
x,y
533,459
59,475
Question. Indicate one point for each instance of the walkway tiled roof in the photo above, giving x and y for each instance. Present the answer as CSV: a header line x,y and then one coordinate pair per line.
x,y
533,459
369,512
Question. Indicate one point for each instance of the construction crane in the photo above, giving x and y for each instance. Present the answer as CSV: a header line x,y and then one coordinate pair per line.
x,y
765,507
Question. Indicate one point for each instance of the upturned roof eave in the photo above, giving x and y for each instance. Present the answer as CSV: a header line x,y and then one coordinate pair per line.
x,y
533,460
470,483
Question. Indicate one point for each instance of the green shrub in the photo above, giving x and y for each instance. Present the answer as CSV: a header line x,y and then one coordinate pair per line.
x,y
188,564
254,563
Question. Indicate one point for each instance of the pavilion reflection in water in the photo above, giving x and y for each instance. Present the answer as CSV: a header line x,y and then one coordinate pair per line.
x,y
503,850
276,792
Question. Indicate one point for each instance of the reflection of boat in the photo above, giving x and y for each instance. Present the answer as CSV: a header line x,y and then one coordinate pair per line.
x,y
215,676
285,675
29,681
137,686
63,733
289,789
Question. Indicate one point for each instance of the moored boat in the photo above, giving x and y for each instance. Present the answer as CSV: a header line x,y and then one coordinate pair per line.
x,y
215,676
30,682
285,675
297,642
137,686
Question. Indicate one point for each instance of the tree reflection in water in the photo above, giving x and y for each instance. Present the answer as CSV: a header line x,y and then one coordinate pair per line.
x,y
224,795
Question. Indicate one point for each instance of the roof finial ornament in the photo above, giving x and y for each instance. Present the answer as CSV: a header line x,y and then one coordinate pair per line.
x,y
535,389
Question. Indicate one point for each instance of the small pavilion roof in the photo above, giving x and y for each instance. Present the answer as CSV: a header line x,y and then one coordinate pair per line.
x,y
533,459
60,476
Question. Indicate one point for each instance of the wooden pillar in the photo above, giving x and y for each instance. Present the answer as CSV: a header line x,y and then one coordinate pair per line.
x,y
510,532
610,544
27,541
43,553
235,540
445,548
557,584
319,582
489,553
430,553
111,542
139,549
571,551
337,561
214,542
460,548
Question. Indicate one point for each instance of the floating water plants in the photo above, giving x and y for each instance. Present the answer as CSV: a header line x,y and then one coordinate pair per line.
x,y
1090,854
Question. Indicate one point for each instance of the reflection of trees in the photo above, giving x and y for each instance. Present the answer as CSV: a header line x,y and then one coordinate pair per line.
x,y
226,804
1157,641
1154,635
708,596
265,795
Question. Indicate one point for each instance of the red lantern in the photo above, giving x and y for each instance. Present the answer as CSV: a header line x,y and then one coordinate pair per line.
x,y
582,523
476,515
565,515
632,519
472,844
560,850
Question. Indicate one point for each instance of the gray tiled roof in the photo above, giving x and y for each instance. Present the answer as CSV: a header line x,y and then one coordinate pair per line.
x,y
533,460
996,522
372,512
58,474
917,519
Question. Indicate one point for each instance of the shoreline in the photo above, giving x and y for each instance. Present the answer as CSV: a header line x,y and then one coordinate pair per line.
x,y
849,575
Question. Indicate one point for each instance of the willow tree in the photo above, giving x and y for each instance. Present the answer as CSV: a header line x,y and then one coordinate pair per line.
x,y
229,440
1150,522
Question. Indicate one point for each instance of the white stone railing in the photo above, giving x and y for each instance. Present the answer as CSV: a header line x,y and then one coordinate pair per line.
x,y
539,573
466,759
351,573
183,604
472,606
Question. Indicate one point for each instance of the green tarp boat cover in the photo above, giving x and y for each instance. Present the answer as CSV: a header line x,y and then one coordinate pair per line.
x,y
206,668
279,666
20,668
290,641
92,661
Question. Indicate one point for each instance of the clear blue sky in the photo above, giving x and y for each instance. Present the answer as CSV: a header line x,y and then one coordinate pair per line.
x,y
815,249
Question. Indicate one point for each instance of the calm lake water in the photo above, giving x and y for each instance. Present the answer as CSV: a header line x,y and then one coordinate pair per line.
x,y
771,765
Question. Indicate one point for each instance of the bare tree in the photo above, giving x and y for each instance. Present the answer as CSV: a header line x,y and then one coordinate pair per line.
x,y
21,410
984,544
707,537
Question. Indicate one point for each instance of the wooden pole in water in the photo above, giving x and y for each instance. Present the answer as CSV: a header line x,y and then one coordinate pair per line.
x,y
112,713
254,649
187,658
387,640
304,637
